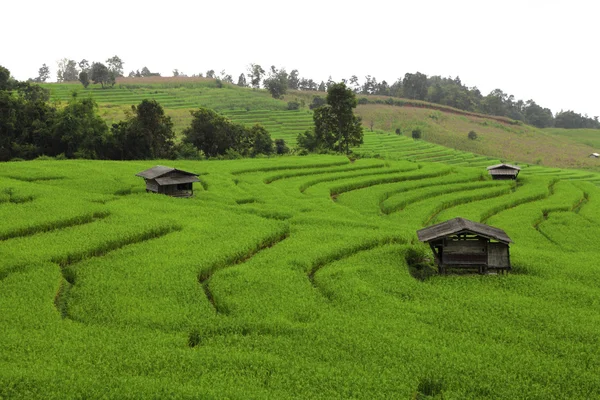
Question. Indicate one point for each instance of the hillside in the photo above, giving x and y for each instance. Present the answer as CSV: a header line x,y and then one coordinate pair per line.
x,y
287,278
497,138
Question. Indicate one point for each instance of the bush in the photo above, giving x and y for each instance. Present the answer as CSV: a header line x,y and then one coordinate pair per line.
x,y
416,133
293,105
419,262
398,131
186,151
281,147
317,102
363,100
472,135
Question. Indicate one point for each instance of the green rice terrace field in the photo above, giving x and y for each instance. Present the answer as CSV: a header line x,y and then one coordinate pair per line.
x,y
287,278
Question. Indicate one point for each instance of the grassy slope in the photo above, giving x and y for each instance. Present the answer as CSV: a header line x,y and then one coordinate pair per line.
x,y
262,286
520,143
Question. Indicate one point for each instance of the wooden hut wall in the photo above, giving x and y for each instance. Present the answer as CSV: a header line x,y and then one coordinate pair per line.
x,y
498,256
503,177
463,251
152,185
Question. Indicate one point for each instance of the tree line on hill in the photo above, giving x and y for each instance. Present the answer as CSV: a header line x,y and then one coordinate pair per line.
x,y
434,89
30,127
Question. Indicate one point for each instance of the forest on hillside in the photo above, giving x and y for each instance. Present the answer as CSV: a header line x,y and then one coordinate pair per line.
x,y
415,86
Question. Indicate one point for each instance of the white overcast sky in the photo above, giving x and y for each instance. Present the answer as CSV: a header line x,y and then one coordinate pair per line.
x,y
547,51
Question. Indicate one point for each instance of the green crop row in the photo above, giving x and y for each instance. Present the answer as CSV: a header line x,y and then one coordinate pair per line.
x,y
252,289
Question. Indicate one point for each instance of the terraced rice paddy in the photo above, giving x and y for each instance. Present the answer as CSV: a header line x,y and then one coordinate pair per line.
x,y
286,278
242,105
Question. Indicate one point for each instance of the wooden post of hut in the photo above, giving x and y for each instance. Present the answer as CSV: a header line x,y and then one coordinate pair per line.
x,y
461,243
503,171
170,181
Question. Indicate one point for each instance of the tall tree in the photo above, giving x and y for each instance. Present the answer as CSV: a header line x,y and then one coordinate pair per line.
x,y
4,78
255,73
415,86
146,133
242,80
43,74
67,71
84,66
99,73
277,82
81,130
84,79
115,65
293,80
336,126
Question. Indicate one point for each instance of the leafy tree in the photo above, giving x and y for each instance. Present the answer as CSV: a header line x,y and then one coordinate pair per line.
x,y
277,82
261,141
115,65
67,71
495,103
146,133
308,141
537,116
415,86
281,147
317,102
571,120
84,79
99,73
25,118
255,73
43,74
84,66
293,80
175,72
4,78
209,132
227,78
336,126
82,132
216,136
355,84
321,87
145,73
211,74
242,80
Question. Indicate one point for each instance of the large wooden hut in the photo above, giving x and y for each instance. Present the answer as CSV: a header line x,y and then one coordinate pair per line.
x,y
169,181
503,171
461,243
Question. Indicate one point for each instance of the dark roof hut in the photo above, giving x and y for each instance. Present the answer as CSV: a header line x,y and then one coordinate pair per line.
x,y
503,171
170,181
461,243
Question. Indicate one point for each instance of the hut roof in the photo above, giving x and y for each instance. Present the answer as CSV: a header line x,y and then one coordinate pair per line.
x,y
458,225
503,166
159,170
174,180
595,155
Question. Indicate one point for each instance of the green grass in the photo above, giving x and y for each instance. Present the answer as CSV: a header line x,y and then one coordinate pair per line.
x,y
286,278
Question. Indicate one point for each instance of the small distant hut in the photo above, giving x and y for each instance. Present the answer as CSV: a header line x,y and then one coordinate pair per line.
x,y
503,171
170,181
594,155
461,243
